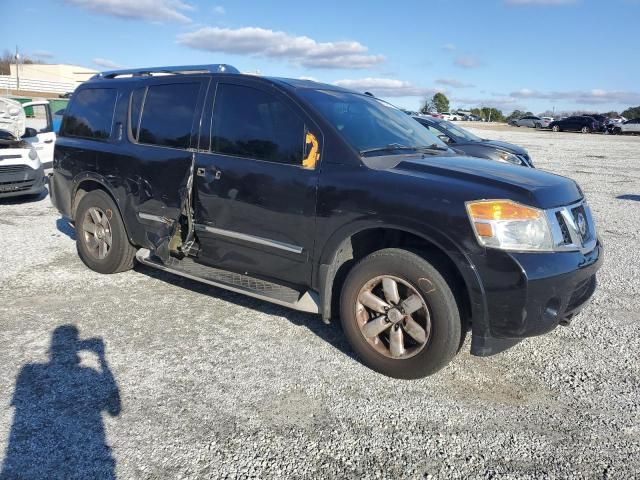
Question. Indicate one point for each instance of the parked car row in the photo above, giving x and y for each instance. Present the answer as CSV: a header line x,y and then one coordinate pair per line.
x,y
592,123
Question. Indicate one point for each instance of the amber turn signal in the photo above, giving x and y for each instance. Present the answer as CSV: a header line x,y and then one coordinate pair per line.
x,y
501,210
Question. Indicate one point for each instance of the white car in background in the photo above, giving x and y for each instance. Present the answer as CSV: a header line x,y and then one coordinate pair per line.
x,y
451,117
630,126
39,131
22,142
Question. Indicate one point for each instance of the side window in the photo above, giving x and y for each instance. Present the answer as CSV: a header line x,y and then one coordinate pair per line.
x,y
441,135
135,108
38,119
90,114
255,124
167,114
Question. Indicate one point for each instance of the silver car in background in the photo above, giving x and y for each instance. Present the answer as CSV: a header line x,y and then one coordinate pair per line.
x,y
532,121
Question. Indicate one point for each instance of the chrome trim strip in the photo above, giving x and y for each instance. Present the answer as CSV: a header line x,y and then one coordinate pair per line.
x,y
154,218
249,238
309,302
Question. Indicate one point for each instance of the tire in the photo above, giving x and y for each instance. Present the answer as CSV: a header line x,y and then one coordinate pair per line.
x,y
98,212
556,128
617,131
585,130
439,315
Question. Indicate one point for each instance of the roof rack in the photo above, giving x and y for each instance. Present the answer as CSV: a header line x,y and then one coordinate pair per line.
x,y
141,72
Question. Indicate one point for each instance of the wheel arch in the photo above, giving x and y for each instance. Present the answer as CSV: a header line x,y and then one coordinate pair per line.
x,y
89,182
344,250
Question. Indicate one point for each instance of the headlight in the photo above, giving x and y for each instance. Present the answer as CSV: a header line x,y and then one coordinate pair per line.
x,y
509,158
33,155
508,225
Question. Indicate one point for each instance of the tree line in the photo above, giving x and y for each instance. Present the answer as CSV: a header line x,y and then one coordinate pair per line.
x,y
440,103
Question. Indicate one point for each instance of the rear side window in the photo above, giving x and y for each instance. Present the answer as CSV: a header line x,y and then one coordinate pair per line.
x,y
168,113
255,124
90,114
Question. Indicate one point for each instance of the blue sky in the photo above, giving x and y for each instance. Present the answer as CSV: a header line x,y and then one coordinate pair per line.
x,y
538,54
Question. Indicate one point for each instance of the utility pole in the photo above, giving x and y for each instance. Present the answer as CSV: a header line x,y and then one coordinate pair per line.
x,y
17,69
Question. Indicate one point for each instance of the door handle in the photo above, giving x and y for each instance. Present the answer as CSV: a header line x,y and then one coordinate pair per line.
x,y
48,141
202,172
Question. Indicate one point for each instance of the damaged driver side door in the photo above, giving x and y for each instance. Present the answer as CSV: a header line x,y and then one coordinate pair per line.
x,y
163,120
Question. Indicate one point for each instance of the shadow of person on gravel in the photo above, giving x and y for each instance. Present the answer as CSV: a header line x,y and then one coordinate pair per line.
x,y
332,333
62,224
57,429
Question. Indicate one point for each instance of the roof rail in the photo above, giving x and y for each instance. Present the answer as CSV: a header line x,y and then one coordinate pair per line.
x,y
140,72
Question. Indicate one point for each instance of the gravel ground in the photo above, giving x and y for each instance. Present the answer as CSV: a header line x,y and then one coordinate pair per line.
x,y
196,382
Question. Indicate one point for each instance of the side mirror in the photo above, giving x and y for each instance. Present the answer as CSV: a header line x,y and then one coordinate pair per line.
x,y
444,138
30,132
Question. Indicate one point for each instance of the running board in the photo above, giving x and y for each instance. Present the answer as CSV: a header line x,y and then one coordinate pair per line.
x,y
235,282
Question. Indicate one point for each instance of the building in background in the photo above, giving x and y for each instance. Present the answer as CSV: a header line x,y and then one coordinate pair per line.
x,y
40,79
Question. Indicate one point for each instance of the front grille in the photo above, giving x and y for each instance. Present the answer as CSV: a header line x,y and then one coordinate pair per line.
x,y
581,220
566,236
5,169
6,187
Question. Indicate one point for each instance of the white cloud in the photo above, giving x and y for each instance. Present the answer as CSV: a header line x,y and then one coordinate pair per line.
x,y
452,82
386,87
585,97
274,44
103,62
219,10
467,61
540,2
150,10
503,103
449,47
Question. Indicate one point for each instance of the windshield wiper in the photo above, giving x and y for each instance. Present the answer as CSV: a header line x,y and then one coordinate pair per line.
x,y
397,146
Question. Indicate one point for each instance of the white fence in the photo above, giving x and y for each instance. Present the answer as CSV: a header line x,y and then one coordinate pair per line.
x,y
8,82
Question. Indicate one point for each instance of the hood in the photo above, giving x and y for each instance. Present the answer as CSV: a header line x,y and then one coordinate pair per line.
x,y
12,120
528,185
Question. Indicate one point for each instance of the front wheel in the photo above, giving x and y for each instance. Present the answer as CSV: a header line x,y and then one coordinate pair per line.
x,y
585,130
555,128
101,238
399,314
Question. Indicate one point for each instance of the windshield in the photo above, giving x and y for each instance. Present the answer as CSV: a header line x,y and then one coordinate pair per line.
x,y
458,132
370,125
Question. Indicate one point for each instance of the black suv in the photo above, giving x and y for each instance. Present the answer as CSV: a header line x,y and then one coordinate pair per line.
x,y
575,124
326,201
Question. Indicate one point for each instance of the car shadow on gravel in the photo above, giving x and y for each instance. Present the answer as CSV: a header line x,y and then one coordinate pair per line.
x,y
332,333
57,429
629,196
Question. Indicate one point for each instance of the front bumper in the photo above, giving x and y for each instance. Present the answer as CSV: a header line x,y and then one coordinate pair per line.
x,y
529,294
17,180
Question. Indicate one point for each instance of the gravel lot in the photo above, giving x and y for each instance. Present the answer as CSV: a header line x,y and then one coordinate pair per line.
x,y
213,384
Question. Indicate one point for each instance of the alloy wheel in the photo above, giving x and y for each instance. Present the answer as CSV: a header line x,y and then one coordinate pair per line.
x,y
393,317
97,232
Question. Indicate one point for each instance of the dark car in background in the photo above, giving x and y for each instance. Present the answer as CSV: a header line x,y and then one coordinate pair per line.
x,y
465,142
575,124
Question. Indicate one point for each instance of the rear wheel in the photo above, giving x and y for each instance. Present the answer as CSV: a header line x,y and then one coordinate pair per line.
x,y
400,315
101,238
585,129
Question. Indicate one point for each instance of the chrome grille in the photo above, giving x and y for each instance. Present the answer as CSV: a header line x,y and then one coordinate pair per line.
x,y
572,228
